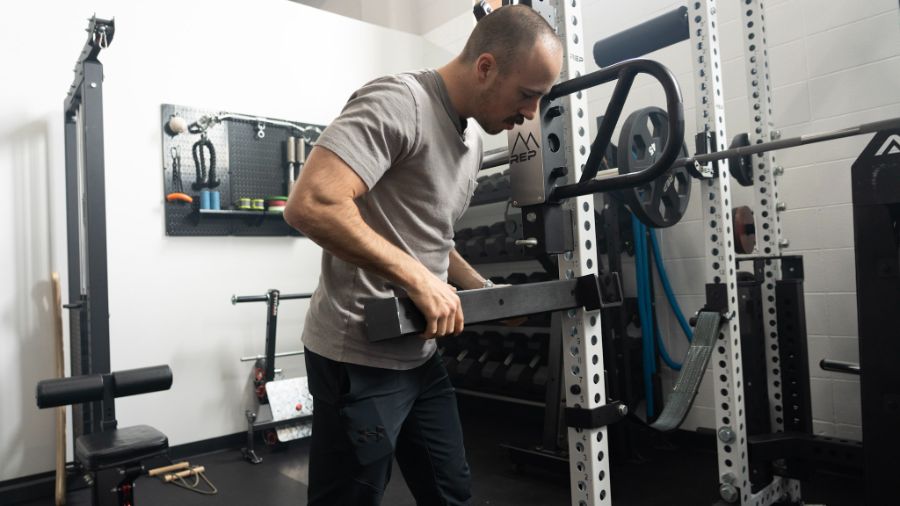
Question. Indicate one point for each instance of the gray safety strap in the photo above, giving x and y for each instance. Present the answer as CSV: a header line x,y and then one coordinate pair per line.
x,y
682,397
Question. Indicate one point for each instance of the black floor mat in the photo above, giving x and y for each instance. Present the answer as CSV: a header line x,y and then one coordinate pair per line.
x,y
672,472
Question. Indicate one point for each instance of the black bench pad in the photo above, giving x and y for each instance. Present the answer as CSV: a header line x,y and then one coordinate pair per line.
x,y
120,446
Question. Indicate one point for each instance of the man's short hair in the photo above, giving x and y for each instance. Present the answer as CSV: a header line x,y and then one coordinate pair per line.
x,y
505,32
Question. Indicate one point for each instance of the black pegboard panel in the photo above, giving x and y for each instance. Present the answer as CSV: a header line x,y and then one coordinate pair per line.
x,y
247,165
182,218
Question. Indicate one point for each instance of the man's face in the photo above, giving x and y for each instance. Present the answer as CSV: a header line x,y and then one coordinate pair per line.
x,y
510,97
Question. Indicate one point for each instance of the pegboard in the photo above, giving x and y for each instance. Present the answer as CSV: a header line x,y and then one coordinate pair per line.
x,y
247,165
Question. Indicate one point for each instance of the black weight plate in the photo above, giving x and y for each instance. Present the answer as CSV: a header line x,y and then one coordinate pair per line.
x,y
662,202
744,230
612,156
741,167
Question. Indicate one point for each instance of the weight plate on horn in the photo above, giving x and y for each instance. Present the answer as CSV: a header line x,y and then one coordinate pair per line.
x,y
741,166
662,202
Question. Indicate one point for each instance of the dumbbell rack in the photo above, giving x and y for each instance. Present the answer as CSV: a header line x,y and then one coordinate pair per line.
x,y
492,188
509,364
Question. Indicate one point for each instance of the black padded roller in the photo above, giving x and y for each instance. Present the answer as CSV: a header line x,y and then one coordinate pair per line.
x,y
142,380
65,391
89,388
651,35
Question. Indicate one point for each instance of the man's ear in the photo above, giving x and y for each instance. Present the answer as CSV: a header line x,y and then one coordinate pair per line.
x,y
485,67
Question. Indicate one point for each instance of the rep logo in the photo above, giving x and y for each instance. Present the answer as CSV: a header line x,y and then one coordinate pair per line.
x,y
523,149
890,147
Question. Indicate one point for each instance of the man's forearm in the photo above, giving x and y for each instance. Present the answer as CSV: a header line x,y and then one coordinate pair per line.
x,y
462,274
341,230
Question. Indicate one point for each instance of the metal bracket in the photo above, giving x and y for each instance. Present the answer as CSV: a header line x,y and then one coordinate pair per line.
x,y
398,316
601,416
611,294
717,298
704,143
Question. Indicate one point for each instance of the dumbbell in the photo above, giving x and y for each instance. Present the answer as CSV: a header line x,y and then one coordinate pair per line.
x,y
454,364
475,247
454,356
448,347
460,238
495,246
538,277
463,233
539,380
513,344
517,278
470,368
502,183
519,375
494,371
489,185
498,227
478,184
488,345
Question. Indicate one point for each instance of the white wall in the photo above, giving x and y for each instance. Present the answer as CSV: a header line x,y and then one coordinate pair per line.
x,y
169,296
832,65
414,16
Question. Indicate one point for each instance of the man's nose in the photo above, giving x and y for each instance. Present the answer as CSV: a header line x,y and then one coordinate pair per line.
x,y
529,110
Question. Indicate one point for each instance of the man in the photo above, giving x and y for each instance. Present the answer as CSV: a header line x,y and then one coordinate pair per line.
x,y
380,193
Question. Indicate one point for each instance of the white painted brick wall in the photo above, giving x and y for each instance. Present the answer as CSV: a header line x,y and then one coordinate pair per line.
x,y
833,64
853,44
821,15
787,63
859,88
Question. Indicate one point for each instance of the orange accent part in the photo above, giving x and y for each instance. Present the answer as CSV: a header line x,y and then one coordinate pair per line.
x,y
183,197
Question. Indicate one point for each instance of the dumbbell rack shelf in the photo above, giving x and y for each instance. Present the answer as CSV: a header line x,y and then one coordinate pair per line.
x,y
237,212
247,219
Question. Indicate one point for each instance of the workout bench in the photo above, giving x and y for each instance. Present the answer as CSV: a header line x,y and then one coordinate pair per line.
x,y
113,456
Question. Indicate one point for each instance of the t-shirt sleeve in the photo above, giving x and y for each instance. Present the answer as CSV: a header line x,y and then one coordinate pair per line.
x,y
377,127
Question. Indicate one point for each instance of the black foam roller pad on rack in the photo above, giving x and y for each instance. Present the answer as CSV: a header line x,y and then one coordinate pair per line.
x,y
647,37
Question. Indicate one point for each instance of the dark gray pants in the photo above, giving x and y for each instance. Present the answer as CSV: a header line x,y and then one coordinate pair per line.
x,y
365,416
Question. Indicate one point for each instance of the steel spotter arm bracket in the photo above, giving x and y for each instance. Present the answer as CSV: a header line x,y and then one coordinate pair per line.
x,y
397,316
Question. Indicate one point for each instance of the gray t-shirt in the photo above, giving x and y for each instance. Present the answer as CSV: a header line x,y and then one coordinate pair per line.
x,y
403,137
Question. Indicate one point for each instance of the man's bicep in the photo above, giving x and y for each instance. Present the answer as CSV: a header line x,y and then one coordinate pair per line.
x,y
327,178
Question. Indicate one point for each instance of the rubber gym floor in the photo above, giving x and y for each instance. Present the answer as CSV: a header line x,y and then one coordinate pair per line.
x,y
671,471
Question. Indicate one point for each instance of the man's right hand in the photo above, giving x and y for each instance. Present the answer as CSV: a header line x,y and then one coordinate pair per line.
x,y
440,305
